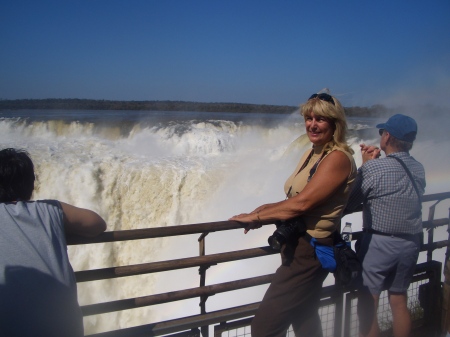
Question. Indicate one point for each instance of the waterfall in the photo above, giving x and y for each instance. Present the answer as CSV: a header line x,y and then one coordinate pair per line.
x,y
140,171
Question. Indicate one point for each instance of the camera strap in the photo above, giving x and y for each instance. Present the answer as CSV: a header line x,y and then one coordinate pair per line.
x,y
313,169
409,175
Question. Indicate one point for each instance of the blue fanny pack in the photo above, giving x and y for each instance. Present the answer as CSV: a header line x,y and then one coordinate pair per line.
x,y
325,254
339,259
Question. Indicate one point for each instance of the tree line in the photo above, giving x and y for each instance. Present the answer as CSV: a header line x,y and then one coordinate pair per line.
x,y
90,104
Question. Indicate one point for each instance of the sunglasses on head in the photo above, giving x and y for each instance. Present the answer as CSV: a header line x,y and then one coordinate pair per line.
x,y
323,97
380,131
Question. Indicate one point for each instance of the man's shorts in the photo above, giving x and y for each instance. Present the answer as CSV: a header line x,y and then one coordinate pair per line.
x,y
388,262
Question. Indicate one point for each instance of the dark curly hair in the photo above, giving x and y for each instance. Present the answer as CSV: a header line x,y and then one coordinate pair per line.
x,y
16,175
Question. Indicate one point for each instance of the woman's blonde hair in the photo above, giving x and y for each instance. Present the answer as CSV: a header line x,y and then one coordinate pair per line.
x,y
333,112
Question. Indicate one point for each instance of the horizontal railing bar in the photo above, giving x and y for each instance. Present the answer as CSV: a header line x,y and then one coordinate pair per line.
x,y
185,323
434,223
427,266
101,308
151,233
425,224
436,197
435,245
429,224
157,232
227,326
153,267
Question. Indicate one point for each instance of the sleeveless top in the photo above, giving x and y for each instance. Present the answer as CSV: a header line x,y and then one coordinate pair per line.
x,y
38,295
324,219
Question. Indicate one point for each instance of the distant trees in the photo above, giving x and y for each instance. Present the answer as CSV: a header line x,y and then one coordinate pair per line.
x,y
374,111
90,104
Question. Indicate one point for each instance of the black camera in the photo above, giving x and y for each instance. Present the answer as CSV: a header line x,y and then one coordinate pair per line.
x,y
287,231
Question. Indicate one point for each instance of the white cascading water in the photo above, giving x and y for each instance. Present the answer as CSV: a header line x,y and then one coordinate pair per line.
x,y
139,175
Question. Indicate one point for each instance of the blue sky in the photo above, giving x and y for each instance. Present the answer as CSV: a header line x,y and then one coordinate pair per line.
x,y
264,52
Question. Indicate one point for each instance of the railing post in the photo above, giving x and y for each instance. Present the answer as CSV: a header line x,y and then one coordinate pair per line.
x,y
347,319
435,293
339,312
431,232
202,272
445,315
340,295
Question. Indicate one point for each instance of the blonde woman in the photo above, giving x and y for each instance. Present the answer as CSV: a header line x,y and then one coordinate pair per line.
x,y
317,192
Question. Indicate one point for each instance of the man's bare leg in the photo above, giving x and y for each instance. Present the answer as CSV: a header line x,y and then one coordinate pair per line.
x,y
401,317
367,312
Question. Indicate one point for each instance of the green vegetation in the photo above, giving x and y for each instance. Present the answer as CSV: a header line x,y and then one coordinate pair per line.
x,y
89,104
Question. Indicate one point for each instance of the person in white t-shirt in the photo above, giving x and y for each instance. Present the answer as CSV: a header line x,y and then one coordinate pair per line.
x,y
38,293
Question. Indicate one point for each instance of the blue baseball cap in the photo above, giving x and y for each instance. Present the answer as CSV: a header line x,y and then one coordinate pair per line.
x,y
401,127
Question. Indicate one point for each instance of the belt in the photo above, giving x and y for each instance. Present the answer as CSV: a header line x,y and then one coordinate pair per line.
x,y
406,236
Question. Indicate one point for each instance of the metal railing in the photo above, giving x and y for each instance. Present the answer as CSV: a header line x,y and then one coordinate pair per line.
x,y
199,324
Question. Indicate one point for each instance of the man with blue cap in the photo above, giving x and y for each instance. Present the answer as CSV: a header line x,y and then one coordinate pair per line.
x,y
390,190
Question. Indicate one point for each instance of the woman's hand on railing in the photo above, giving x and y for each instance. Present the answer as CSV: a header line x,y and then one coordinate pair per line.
x,y
251,220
